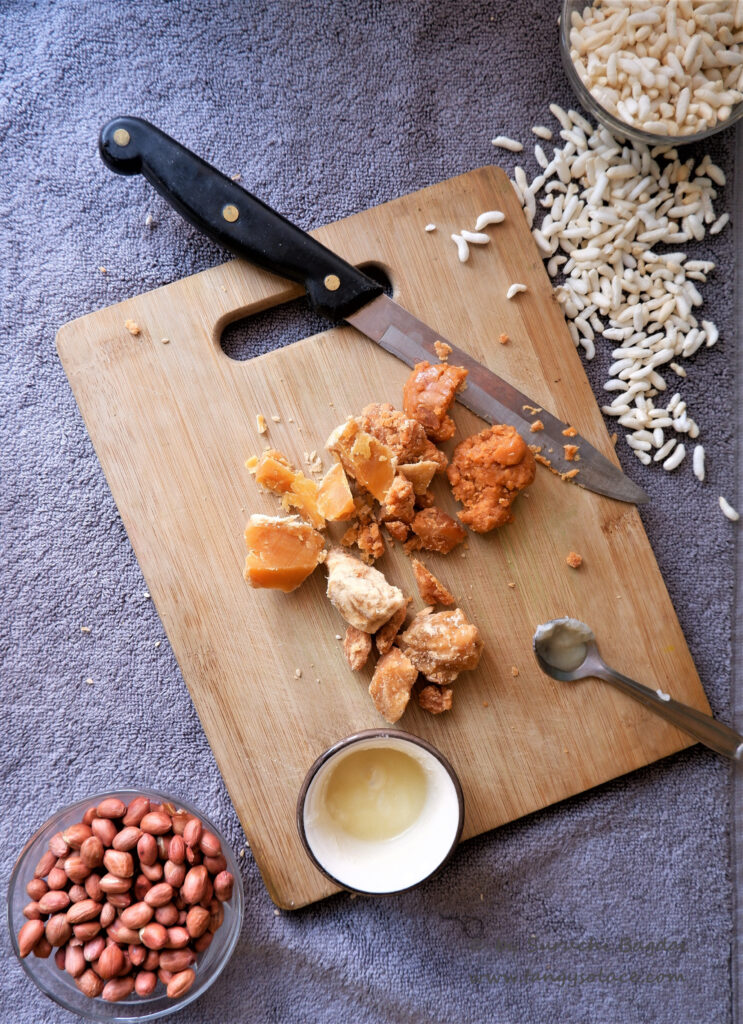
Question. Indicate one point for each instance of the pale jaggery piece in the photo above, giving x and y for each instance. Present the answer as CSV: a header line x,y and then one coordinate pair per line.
x,y
397,530
393,679
406,437
437,531
442,350
364,457
420,474
571,452
442,644
356,647
275,473
399,503
431,590
361,593
369,541
574,560
428,395
434,699
334,499
487,472
385,636
282,552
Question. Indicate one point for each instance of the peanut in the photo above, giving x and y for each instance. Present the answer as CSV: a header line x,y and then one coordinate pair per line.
x,y
76,868
86,930
177,850
223,884
59,957
168,915
117,988
111,807
147,849
91,852
194,886
36,888
215,864
58,930
210,845
120,933
115,883
110,963
180,983
43,948
45,865
137,955
164,975
89,815
58,846
32,912
57,878
203,942
177,959
85,910
93,948
174,874
119,863
153,935
153,872
127,839
157,823
145,983
105,829
108,913
159,895
136,810
74,960
76,835
29,935
179,822
216,911
197,921
152,960
54,901
77,893
192,832
120,900
89,983
142,886
136,916
93,887
178,938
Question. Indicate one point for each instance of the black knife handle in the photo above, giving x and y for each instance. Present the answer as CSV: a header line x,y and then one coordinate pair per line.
x,y
233,217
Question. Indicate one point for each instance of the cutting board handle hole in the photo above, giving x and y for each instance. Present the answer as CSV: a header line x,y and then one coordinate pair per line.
x,y
283,324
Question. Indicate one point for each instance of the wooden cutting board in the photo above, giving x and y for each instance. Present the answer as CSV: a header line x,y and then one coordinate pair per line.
x,y
173,424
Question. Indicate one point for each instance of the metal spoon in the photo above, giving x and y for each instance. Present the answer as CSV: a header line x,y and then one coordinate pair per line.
x,y
572,645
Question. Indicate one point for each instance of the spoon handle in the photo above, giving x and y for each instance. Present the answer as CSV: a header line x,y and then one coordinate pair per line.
x,y
707,730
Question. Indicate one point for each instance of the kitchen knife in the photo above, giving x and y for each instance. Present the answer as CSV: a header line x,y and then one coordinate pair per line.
x,y
244,225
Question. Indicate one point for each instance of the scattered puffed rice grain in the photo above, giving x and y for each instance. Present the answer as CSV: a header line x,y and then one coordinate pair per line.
x,y
503,142
728,511
430,227
698,461
475,237
541,132
515,289
675,459
489,217
463,250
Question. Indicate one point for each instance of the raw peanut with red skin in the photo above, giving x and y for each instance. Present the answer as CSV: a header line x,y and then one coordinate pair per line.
x,y
157,823
76,868
92,851
110,963
194,886
93,887
174,874
127,963
154,872
179,901
119,863
89,983
176,960
76,835
145,983
36,888
57,878
197,921
182,915
167,915
142,886
209,844
86,910
154,935
59,958
180,983
127,839
147,849
192,832
120,933
87,930
89,815
111,807
163,845
115,883
54,901
136,810
208,893
105,829
203,942
223,885
30,933
78,893
137,915
117,988
58,846
152,960
177,850
58,930
74,960
120,900
93,948
159,895
193,856
43,948
108,913
215,864
179,822
178,938
216,910
164,975
137,955
32,912
45,865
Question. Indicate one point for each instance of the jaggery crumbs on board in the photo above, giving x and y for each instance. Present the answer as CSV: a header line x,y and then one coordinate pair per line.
x,y
434,699
533,409
571,452
437,531
133,327
570,475
431,590
536,426
569,432
356,647
442,350
574,560
385,637
514,671
260,423
503,339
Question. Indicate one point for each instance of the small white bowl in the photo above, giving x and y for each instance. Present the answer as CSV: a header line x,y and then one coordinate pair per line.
x,y
381,867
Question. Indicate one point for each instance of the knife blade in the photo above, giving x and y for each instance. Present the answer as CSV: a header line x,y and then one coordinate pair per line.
x,y
241,223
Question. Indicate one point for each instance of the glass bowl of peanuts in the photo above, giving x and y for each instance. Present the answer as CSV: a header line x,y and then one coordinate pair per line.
x,y
125,906
656,72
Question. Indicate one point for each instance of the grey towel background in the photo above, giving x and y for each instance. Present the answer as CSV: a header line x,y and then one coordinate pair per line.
x,y
324,109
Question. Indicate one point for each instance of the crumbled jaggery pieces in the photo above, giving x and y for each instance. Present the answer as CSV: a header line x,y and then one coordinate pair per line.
x,y
431,590
543,461
397,530
260,423
434,699
571,452
273,472
442,644
282,552
570,475
133,327
406,437
399,502
420,474
487,472
536,426
391,684
334,499
425,500
574,560
385,637
412,544
361,593
503,339
429,393
363,456
569,432
437,530
351,535
442,350
356,647
370,543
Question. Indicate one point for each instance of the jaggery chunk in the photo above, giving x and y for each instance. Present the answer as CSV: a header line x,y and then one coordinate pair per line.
x,y
385,637
370,543
361,593
442,644
400,501
406,437
431,590
425,500
420,474
437,531
574,560
282,552
397,530
391,684
487,472
275,473
363,456
434,699
428,394
356,647
334,499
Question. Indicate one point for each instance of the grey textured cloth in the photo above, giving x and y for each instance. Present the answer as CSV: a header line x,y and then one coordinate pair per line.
x,y
613,906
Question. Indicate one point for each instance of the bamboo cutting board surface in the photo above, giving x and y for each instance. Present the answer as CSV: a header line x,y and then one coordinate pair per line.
x,y
173,424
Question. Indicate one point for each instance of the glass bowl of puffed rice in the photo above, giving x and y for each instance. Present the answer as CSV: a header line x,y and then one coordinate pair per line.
x,y
657,72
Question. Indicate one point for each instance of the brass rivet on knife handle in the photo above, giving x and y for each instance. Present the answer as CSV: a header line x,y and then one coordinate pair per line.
x,y
332,282
122,137
230,213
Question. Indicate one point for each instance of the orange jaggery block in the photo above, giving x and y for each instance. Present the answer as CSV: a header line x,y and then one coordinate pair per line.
x,y
334,499
370,462
282,552
429,392
275,473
